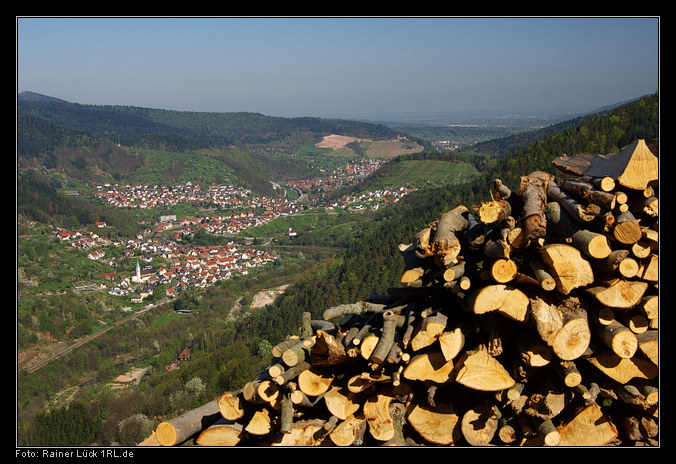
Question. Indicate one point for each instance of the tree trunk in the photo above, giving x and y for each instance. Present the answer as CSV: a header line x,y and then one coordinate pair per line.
x,y
577,210
588,192
446,244
648,345
541,273
386,339
298,352
533,193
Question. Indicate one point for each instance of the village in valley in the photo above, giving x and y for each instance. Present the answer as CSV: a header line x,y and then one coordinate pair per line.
x,y
162,254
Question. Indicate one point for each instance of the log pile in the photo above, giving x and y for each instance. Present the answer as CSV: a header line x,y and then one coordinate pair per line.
x,y
530,320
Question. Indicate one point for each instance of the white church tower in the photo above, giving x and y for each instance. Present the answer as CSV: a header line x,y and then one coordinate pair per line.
x,y
137,277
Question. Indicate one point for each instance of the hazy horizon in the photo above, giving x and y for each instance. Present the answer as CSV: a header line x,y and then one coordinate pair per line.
x,y
388,68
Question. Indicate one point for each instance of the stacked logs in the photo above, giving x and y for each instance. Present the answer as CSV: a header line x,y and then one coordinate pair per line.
x,y
530,320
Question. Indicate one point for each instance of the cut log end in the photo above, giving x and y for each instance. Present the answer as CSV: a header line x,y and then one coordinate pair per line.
x,y
166,434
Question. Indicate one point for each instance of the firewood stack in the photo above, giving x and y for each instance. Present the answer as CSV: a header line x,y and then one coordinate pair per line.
x,y
529,320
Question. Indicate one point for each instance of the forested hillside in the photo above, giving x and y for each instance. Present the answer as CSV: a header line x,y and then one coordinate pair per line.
x,y
182,130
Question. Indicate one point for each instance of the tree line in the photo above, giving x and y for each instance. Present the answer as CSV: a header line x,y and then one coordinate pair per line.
x,y
183,130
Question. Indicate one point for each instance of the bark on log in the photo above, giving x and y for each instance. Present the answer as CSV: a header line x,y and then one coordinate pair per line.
x,y
382,348
648,345
292,372
422,243
353,308
533,193
299,352
577,210
589,193
569,373
549,434
618,338
541,273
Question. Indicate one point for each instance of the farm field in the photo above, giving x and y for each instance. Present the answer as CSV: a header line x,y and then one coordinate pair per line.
x,y
425,173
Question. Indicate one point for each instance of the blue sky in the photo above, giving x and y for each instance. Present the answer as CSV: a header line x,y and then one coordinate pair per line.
x,y
341,66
